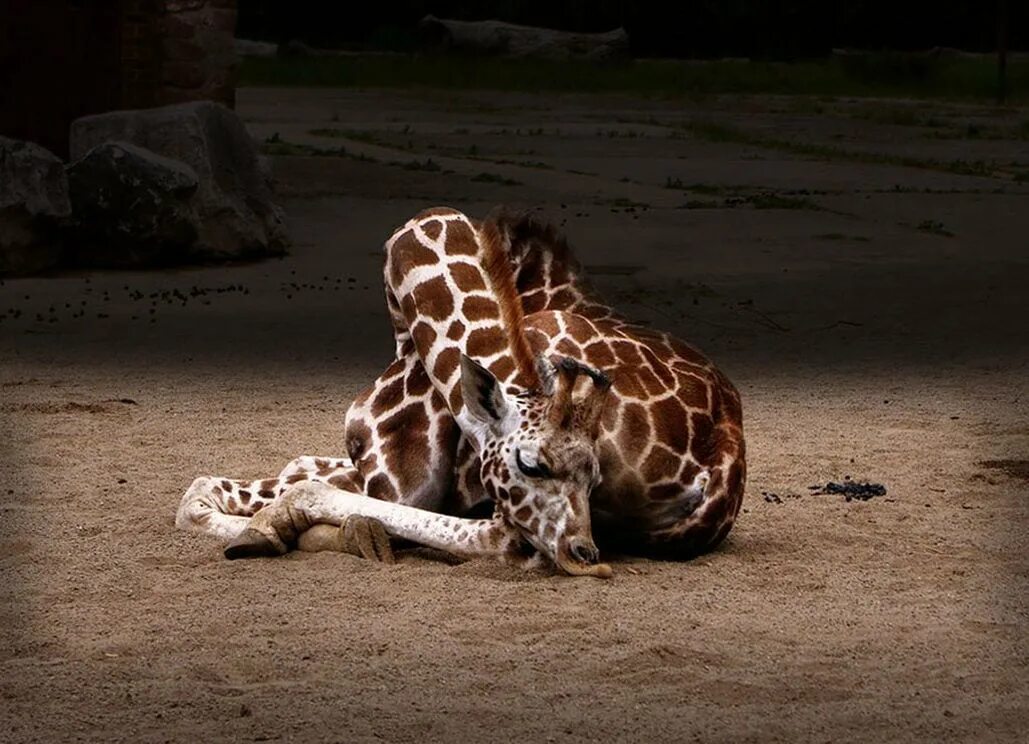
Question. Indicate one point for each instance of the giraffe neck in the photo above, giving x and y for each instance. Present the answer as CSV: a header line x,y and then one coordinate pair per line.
x,y
451,291
547,274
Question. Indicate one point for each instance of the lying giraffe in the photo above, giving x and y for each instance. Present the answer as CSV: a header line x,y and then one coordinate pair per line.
x,y
667,438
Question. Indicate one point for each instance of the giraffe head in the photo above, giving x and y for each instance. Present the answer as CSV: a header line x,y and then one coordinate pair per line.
x,y
538,455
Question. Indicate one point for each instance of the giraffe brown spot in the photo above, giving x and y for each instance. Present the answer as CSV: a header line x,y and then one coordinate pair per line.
x,y
461,240
635,429
388,398
502,368
268,484
651,382
692,392
664,374
424,336
704,444
534,524
599,355
232,505
660,464
296,478
517,495
418,382
380,488
446,364
480,308
563,299
671,424
267,495
227,486
522,515
484,342
432,229
456,330
256,507
409,457
244,497
538,340
627,383
546,323
467,277
345,482
533,302
569,348
320,463
433,299
410,254
627,353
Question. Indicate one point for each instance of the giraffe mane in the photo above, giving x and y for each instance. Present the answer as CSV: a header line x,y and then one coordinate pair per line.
x,y
496,262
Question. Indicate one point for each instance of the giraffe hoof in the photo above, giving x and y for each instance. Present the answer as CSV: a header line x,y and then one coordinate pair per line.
x,y
251,544
366,538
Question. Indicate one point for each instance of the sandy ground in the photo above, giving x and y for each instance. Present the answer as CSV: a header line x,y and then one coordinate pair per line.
x,y
878,332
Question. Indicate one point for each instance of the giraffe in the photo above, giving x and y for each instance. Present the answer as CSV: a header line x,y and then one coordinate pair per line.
x,y
669,443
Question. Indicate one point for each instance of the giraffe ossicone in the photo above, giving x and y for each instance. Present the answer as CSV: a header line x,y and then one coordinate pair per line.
x,y
514,386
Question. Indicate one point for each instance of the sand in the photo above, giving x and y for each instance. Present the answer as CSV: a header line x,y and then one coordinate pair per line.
x,y
877,332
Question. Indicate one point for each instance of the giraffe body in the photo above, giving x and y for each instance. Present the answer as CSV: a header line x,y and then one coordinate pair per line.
x,y
658,458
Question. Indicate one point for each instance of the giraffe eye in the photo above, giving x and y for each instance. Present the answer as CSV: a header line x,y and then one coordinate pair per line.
x,y
539,470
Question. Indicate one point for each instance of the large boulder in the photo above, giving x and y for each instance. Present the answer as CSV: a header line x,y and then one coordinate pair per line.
x,y
132,207
33,203
237,217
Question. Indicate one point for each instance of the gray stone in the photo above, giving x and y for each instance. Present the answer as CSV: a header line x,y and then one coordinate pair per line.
x,y
131,208
511,40
233,201
33,202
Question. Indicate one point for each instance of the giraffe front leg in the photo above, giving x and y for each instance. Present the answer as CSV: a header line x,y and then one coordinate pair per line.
x,y
357,535
277,528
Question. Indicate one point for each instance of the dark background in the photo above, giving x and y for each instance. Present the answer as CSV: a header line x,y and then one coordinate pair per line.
x,y
760,29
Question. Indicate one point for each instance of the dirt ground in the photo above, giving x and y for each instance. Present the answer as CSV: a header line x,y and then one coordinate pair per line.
x,y
872,311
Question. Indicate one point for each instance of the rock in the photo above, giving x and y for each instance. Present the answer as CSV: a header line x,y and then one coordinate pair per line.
x,y
512,40
237,217
33,202
131,207
250,48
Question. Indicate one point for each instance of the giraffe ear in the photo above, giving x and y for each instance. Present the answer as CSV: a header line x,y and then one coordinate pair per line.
x,y
483,395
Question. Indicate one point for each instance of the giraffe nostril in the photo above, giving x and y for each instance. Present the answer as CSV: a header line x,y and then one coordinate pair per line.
x,y
585,552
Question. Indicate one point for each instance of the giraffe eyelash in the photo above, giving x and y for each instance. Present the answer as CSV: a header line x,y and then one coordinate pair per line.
x,y
539,470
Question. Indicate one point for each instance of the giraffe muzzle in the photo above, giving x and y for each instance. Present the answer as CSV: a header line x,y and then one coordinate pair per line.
x,y
583,551
580,557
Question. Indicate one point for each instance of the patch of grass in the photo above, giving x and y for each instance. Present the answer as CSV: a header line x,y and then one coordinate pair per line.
x,y
621,202
718,132
494,178
934,227
769,200
275,145
428,164
870,76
